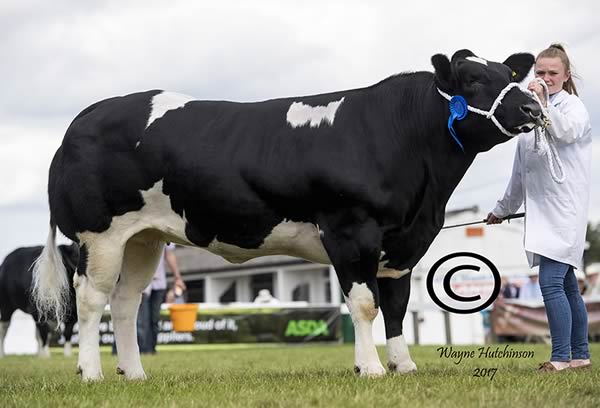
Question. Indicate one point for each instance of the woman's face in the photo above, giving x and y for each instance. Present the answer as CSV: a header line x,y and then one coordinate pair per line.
x,y
553,72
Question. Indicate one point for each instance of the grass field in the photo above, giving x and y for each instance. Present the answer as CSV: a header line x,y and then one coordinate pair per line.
x,y
296,376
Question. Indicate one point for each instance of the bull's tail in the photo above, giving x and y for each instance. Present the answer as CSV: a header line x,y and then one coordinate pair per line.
x,y
50,287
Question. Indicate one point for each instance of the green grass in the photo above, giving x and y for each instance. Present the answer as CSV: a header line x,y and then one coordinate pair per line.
x,y
295,376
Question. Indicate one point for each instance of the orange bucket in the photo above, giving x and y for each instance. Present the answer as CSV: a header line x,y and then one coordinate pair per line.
x,y
183,316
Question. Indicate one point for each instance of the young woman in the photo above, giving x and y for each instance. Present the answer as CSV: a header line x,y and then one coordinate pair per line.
x,y
556,213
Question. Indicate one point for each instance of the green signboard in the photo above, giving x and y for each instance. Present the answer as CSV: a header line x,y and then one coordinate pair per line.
x,y
227,325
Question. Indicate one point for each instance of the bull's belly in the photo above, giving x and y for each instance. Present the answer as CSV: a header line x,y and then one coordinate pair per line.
x,y
156,222
298,239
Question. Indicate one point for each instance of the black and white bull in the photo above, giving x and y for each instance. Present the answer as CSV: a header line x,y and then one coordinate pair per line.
x,y
358,179
15,293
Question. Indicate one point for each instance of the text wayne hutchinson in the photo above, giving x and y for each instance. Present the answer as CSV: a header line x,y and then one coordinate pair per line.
x,y
483,352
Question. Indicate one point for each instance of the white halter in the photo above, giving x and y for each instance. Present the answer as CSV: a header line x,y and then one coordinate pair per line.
x,y
490,114
544,143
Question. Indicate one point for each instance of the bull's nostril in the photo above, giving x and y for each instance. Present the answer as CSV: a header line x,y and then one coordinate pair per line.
x,y
531,110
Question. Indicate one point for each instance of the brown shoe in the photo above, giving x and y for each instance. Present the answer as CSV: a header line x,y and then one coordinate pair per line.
x,y
548,367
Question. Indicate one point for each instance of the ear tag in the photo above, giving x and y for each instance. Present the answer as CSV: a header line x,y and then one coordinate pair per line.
x,y
458,111
514,74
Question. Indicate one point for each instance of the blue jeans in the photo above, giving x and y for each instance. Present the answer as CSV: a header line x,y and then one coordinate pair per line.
x,y
565,309
148,319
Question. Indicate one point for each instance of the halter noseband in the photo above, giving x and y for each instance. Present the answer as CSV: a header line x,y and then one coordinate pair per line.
x,y
543,141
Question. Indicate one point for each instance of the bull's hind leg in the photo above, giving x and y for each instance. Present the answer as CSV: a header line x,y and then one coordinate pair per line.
x,y
97,272
42,335
67,334
353,247
139,264
394,295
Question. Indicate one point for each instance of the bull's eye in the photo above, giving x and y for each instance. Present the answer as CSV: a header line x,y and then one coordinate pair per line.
x,y
473,82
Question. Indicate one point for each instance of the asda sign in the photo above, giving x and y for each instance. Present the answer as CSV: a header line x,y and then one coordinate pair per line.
x,y
304,328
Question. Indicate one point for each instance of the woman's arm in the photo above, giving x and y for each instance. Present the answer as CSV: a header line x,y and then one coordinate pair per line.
x,y
569,121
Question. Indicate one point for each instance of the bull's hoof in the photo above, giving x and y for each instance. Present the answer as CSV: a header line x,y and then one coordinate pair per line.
x,y
132,374
44,352
89,377
370,371
408,367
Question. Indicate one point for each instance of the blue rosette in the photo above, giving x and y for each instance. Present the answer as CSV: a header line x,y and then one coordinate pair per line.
x,y
458,111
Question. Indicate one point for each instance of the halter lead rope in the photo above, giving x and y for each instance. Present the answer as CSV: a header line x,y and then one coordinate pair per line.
x,y
543,141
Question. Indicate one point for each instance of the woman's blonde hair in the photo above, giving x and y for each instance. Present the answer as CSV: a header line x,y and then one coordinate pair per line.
x,y
558,51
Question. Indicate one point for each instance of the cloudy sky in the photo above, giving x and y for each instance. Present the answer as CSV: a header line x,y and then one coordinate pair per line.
x,y
60,56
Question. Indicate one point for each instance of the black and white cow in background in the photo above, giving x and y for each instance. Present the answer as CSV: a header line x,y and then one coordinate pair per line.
x,y
358,178
15,293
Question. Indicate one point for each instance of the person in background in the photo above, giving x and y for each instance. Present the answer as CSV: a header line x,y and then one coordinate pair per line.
x,y
152,299
581,281
556,214
508,289
265,297
593,281
531,289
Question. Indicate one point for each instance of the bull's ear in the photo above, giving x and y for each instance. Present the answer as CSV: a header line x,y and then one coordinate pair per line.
x,y
462,54
443,72
520,64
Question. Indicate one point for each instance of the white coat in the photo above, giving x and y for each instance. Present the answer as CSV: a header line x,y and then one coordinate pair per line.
x,y
556,215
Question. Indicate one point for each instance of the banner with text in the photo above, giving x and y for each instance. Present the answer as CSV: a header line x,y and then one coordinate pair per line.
x,y
256,325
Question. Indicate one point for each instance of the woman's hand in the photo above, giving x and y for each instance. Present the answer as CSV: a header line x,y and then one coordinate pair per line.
x,y
535,87
179,282
492,219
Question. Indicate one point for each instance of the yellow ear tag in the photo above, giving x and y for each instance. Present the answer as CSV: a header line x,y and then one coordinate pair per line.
x,y
514,74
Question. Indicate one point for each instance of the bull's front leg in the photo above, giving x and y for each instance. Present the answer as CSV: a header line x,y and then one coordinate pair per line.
x,y
353,243
394,295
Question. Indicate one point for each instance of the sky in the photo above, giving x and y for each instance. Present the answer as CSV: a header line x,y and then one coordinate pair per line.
x,y
59,57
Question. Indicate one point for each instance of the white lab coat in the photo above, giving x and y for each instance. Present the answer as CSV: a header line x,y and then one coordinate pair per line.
x,y
556,215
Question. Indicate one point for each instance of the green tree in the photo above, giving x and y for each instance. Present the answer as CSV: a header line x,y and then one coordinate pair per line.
x,y
593,237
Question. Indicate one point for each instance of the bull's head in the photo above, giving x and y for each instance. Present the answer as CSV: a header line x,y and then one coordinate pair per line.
x,y
486,86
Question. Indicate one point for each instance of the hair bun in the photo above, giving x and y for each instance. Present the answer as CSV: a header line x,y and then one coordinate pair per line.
x,y
557,46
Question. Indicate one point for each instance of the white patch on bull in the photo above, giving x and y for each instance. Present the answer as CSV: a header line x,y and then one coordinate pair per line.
x,y
300,114
478,60
141,256
361,304
164,102
91,301
298,239
106,249
398,356
156,214
384,272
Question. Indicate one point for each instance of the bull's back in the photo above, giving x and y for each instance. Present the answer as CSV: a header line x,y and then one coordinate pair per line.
x,y
96,173
222,164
